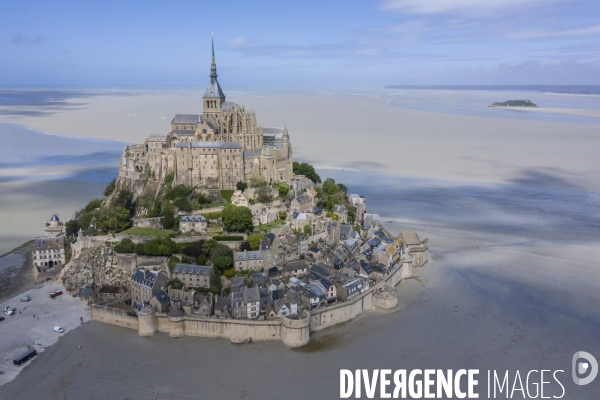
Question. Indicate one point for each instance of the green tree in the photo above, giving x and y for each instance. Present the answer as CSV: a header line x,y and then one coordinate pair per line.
x,y
201,259
92,205
182,204
236,218
125,246
229,273
282,215
282,188
306,170
307,229
110,188
72,227
264,194
168,220
343,188
254,240
241,186
222,263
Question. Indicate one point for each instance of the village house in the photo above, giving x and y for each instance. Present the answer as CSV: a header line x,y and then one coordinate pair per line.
x,y
193,224
238,306
248,260
144,285
203,304
160,301
194,276
252,302
238,284
302,204
295,269
222,308
347,288
341,212
326,286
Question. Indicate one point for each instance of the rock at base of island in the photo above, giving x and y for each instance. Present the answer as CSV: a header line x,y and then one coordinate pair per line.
x,y
514,103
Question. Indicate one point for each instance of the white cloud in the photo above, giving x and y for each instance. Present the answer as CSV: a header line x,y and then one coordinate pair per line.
x,y
238,42
589,30
471,7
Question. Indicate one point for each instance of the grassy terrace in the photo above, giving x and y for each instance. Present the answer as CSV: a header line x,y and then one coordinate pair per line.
x,y
226,194
274,224
146,232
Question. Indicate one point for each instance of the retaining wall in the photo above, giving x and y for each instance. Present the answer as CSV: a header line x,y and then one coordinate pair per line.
x,y
114,316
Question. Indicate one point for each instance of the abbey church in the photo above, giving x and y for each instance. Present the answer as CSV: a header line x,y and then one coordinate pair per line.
x,y
215,149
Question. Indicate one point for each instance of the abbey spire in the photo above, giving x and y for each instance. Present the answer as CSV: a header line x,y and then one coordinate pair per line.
x,y
213,97
213,64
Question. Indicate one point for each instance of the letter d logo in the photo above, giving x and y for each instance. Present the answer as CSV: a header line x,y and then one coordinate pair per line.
x,y
582,367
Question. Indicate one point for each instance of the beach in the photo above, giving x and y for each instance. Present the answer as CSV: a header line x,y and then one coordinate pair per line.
x,y
509,201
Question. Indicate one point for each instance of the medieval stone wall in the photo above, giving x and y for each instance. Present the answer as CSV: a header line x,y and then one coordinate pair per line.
x,y
114,316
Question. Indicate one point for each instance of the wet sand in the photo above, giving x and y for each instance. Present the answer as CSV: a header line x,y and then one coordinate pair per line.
x,y
16,272
512,282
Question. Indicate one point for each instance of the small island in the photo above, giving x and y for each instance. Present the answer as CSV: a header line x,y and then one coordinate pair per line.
x,y
514,103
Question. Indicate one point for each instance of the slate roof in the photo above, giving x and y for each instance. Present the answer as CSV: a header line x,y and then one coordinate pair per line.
x,y
192,269
49,243
162,297
192,218
186,119
144,278
247,255
209,145
338,208
54,218
303,199
228,105
213,90
251,295
252,153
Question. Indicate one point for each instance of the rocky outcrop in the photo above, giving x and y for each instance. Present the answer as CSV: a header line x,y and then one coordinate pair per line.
x,y
93,266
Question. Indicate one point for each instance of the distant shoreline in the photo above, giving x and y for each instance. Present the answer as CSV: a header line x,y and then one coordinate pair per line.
x,y
561,89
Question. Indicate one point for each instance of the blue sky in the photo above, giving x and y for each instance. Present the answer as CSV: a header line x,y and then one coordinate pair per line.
x,y
306,44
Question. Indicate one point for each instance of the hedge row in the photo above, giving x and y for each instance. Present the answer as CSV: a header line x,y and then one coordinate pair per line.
x,y
228,238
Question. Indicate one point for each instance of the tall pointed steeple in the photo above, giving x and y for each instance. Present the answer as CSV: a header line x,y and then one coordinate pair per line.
x,y
213,64
214,96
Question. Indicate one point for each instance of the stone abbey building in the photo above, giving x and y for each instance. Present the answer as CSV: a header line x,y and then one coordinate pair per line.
x,y
215,149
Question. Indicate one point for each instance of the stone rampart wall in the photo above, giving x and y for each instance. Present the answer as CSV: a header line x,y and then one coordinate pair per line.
x,y
235,329
114,316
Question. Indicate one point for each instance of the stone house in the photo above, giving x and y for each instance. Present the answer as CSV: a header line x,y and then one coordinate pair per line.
x,y
238,284
417,248
275,284
248,260
260,280
302,204
341,212
54,228
160,301
281,308
238,306
300,220
48,257
194,276
193,224
203,304
311,295
252,302
298,268
326,286
144,285
222,308
347,288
